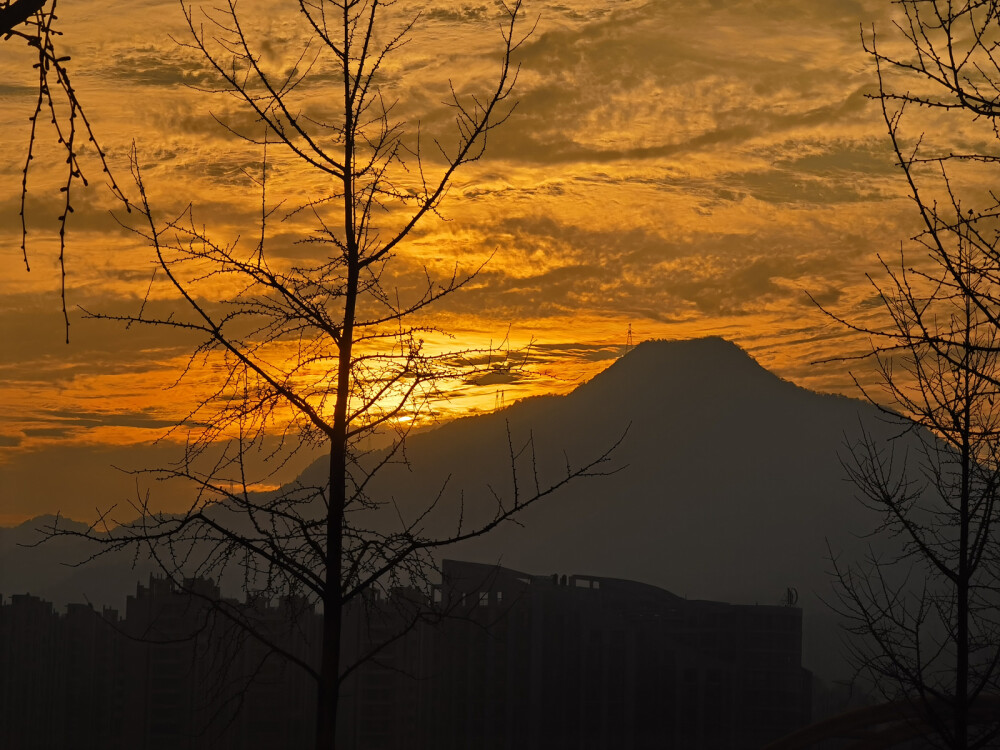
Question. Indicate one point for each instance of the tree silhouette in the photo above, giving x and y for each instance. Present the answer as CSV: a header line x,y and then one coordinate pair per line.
x,y
16,12
326,351
924,615
924,618
29,21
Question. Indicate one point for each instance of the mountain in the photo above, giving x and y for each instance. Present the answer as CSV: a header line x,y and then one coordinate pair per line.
x,y
55,571
729,486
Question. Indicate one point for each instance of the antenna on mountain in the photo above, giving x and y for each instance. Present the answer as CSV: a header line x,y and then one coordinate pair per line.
x,y
628,339
498,401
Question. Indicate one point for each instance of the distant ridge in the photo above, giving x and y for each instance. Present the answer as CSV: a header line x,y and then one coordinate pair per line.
x,y
731,485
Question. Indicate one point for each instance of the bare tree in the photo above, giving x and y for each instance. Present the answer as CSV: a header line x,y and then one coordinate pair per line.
x,y
326,352
925,616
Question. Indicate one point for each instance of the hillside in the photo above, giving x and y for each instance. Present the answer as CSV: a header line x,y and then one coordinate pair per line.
x,y
729,486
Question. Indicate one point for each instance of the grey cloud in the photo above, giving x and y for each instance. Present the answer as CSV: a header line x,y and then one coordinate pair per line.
x,y
552,292
91,213
577,351
551,144
831,172
34,348
55,424
870,157
832,11
157,67
498,376
66,419
827,296
646,62
791,187
17,92
667,278
743,286
50,432
461,14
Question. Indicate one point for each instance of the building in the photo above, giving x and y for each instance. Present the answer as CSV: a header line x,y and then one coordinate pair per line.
x,y
488,658
196,677
523,661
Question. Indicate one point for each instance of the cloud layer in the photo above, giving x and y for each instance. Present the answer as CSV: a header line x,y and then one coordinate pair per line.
x,y
681,168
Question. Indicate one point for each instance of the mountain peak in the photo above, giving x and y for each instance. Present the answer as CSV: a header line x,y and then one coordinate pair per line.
x,y
707,351
659,367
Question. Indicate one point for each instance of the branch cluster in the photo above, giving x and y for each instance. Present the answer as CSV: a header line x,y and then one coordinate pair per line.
x,y
30,22
923,609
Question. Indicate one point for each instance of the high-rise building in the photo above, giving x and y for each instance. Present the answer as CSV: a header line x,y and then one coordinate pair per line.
x,y
490,658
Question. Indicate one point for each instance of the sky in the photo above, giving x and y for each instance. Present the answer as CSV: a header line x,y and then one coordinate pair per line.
x,y
672,169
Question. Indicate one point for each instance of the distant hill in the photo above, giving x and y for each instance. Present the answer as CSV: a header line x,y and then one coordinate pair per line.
x,y
730,486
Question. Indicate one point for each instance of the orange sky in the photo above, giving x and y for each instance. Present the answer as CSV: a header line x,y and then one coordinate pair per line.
x,y
683,168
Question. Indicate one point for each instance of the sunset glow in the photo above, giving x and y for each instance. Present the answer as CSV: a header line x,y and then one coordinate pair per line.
x,y
672,169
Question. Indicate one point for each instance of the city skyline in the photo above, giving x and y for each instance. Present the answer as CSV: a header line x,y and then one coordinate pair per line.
x,y
484,661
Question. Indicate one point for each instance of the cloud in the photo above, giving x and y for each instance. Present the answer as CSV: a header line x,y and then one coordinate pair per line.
x,y
685,167
659,79
154,66
50,432
144,419
464,14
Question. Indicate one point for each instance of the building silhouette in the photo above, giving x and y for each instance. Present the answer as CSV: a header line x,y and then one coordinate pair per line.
x,y
491,658
60,676
592,662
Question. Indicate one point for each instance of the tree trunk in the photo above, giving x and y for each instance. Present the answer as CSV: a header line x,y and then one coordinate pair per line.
x,y
329,682
333,602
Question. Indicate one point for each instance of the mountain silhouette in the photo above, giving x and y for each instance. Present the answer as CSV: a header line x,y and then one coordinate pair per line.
x,y
729,486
